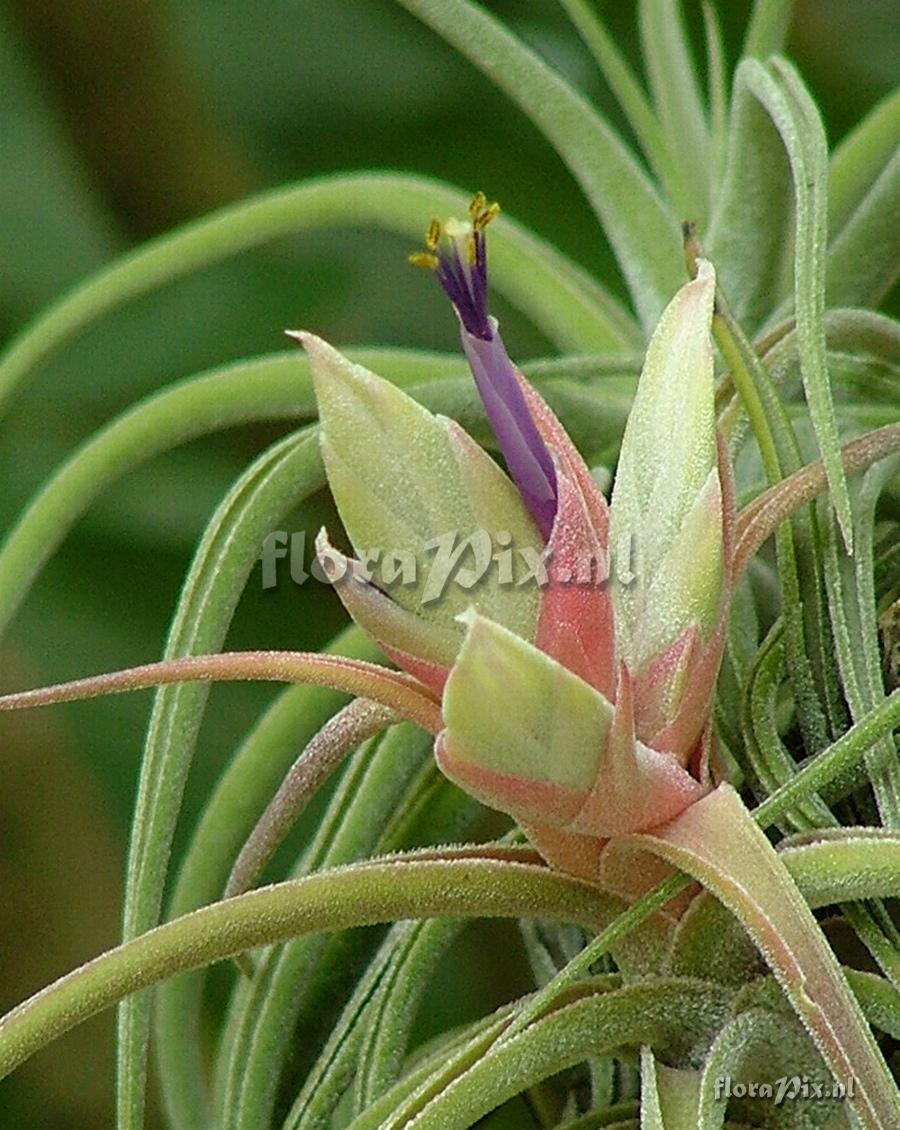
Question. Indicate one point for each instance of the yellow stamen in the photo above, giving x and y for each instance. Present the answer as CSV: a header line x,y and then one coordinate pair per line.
x,y
426,259
433,235
460,232
481,213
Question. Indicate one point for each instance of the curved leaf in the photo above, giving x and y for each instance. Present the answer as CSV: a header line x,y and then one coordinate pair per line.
x,y
563,300
286,982
678,101
640,227
852,863
768,27
250,779
630,95
358,895
717,842
675,1016
859,159
223,562
758,1046
749,237
785,98
269,388
864,259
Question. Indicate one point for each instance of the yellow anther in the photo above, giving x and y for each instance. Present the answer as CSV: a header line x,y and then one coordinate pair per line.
x,y
426,259
462,233
433,235
481,212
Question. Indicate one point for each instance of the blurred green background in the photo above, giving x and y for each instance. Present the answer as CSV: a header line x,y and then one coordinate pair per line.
x,y
119,121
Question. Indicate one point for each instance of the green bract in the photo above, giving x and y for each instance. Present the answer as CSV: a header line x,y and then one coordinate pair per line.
x,y
512,709
666,525
414,485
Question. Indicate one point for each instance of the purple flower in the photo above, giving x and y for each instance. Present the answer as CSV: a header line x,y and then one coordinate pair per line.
x,y
456,252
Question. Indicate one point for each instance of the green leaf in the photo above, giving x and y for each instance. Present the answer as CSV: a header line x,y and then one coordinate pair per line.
x,y
766,751
860,158
851,598
669,1015
846,864
651,1112
669,1096
717,96
223,561
768,28
758,1046
836,762
453,1056
678,102
358,895
252,775
334,1069
295,984
632,99
796,118
749,238
386,1041
278,387
562,299
222,564
880,1001
718,842
864,259
733,960
641,229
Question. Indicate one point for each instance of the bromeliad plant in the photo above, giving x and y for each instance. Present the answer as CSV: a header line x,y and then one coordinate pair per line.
x,y
640,692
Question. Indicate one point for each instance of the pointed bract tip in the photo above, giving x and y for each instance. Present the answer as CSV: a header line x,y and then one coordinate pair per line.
x,y
469,617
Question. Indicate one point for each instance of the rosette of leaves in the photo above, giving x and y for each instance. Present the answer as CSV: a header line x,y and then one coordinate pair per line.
x,y
636,1005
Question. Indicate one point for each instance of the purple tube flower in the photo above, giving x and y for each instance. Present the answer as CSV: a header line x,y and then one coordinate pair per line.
x,y
456,251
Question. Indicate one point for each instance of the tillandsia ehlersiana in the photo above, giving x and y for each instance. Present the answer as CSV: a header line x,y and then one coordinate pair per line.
x,y
684,746
573,690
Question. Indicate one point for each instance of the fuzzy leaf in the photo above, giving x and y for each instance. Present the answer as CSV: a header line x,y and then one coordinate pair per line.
x,y
863,259
794,114
759,1046
749,237
669,1096
717,841
629,93
679,104
859,159
673,1017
